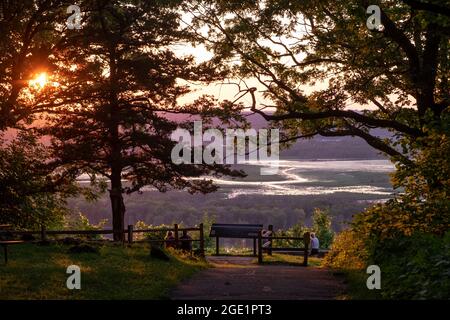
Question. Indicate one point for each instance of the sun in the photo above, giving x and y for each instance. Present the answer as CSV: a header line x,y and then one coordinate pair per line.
x,y
40,81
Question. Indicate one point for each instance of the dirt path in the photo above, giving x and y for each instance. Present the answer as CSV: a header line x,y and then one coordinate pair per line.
x,y
238,278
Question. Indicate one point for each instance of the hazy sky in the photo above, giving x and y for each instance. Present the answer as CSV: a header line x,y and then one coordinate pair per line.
x,y
224,91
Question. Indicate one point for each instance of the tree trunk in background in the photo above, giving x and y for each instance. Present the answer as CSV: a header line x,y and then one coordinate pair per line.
x,y
117,206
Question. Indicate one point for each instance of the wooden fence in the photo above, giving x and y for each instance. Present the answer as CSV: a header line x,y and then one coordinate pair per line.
x,y
128,237
128,234
270,248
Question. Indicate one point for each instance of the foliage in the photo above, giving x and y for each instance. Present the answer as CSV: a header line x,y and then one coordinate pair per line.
x,y
424,206
207,221
157,235
349,252
30,33
408,236
400,70
81,222
414,267
322,227
296,231
119,79
30,196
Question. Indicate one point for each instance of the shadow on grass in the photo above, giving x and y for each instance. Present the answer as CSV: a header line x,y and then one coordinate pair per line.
x,y
116,272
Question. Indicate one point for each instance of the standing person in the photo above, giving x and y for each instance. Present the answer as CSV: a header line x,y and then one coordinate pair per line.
x,y
170,240
314,244
186,242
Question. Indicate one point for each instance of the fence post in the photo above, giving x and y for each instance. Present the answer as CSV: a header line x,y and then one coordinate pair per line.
x,y
260,252
43,233
130,233
306,240
217,246
175,226
270,240
202,240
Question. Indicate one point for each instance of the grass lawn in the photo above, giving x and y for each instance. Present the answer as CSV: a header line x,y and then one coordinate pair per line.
x,y
117,272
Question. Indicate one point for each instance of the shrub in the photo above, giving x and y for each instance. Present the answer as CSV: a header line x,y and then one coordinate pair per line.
x,y
349,251
412,267
415,267
151,236
207,221
297,231
81,222
27,198
408,236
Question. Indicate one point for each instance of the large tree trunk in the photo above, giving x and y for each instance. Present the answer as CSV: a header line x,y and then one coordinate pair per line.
x,y
117,205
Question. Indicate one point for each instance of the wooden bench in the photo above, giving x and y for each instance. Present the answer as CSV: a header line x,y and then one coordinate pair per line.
x,y
5,243
237,231
305,250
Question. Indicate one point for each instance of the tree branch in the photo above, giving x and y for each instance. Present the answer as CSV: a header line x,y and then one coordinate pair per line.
x,y
382,123
427,6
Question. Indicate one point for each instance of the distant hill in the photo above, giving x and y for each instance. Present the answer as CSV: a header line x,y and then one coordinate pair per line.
x,y
319,147
339,148
305,149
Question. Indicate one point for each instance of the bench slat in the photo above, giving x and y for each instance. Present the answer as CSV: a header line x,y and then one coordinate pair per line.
x,y
227,230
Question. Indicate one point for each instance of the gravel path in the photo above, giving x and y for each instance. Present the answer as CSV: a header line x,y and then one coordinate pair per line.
x,y
238,278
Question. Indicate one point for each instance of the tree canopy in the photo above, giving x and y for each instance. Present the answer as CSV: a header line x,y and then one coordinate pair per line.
x,y
397,75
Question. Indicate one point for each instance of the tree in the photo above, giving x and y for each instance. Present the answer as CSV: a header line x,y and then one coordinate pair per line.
x,y
30,31
32,191
31,194
118,78
322,227
400,71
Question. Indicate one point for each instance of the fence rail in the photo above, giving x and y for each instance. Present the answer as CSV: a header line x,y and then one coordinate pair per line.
x,y
127,234
271,248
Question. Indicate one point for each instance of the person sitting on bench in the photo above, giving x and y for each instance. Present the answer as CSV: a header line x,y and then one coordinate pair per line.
x,y
186,241
170,240
314,244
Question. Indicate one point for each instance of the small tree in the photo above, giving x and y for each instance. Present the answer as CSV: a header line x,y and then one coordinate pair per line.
x,y
322,227
31,193
208,220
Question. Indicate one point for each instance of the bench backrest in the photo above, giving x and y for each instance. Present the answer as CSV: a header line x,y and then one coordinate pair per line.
x,y
5,233
223,230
